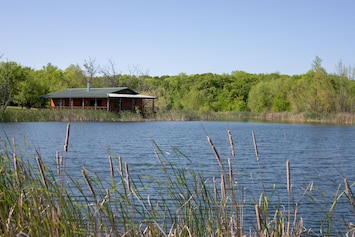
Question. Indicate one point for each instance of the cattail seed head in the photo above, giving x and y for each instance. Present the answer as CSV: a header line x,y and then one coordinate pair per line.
x,y
231,143
288,175
66,143
219,160
255,145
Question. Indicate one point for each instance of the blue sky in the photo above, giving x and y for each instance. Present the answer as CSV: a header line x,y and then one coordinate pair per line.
x,y
183,36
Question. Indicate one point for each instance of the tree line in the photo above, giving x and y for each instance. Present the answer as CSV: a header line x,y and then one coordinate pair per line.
x,y
314,91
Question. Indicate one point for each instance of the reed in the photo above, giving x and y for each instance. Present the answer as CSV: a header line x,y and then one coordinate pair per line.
x,y
66,142
35,115
35,201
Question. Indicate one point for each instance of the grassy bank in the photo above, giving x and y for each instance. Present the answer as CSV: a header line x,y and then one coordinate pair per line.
x,y
14,114
36,200
46,115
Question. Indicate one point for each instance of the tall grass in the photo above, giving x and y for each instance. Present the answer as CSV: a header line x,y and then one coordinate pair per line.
x,y
44,115
14,114
39,201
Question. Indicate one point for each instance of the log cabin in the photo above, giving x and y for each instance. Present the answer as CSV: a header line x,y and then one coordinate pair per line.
x,y
115,99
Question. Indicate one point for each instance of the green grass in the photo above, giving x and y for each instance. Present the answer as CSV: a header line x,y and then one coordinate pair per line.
x,y
37,201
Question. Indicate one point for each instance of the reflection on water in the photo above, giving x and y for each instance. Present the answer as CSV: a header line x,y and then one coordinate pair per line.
x,y
319,155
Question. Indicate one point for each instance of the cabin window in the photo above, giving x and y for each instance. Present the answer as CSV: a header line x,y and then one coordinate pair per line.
x,y
98,102
57,102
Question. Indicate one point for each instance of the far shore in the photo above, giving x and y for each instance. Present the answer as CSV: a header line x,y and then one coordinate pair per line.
x,y
46,115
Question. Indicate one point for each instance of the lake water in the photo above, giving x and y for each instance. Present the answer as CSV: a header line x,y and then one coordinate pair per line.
x,y
319,155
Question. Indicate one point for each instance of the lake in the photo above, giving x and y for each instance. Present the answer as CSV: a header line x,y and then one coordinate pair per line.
x,y
319,155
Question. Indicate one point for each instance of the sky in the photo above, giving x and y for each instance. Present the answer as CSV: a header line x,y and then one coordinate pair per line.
x,y
166,37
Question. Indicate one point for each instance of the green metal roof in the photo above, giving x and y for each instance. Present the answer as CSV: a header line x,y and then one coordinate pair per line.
x,y
91,93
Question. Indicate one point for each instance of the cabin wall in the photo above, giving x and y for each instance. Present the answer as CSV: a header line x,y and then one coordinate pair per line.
x,y
79,103
125,104
131,104
115,104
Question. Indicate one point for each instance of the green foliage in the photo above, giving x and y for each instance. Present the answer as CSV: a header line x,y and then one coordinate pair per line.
x,y
321,92
11,74
52,77
315,91
260,97
30,90
74,77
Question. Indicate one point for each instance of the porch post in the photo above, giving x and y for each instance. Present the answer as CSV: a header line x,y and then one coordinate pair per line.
x,y
132,107
108,104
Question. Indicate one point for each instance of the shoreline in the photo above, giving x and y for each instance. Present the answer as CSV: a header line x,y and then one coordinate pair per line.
x,y
46,115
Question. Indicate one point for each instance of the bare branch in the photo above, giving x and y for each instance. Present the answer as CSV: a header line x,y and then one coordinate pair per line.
x,y
137,71
90,69
110,73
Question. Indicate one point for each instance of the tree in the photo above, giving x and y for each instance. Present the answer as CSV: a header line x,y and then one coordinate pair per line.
x,y
136,77
321,93
240,86
30,89
10,75
90,69
52,77
280,90
345,97
110,74
297,94
74,77
271,95
260,97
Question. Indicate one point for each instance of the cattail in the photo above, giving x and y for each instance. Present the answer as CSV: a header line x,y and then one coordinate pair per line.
x,y
288,175
348,193
215,152
258,218
288,178
231,142
223,187
215,188
149,202
15,161
255,145
127,177
87,181
215,194
41,170
295,214
57,157
120,166
258,160
301,224
111,167
57,161
60,163
230,171
66,143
